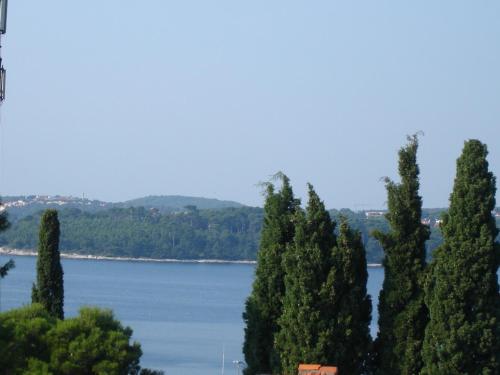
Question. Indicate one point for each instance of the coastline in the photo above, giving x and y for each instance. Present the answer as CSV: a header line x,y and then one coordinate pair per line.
x,y
33,253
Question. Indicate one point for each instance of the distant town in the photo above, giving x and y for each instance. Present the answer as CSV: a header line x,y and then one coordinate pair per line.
x,y
59,200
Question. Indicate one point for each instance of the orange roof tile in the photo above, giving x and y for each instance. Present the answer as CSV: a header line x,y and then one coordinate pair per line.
x,y
309,367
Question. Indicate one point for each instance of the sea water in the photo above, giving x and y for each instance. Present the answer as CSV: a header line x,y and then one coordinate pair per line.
x,y
185,315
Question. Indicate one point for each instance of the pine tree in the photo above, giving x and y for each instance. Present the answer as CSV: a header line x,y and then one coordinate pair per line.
x,y
347,307
463,335
402,311
264,305
307,262
49,289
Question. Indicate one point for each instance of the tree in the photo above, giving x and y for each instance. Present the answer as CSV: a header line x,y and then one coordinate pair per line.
x,y
347,306
49,288
402,311
93,343
463,334
32,341
303,335
264,306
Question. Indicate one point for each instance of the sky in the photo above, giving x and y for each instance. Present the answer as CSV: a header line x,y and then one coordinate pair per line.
x,y
123,99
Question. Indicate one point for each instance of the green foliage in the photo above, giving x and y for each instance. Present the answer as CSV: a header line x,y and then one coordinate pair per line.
x,y
49,288
4,270
231,233
402,311
264,306
347,307
23,336
304,331
34,342
93,343
463,335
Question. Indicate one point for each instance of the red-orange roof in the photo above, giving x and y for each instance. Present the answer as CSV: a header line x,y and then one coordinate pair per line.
x,y
318,369
308,367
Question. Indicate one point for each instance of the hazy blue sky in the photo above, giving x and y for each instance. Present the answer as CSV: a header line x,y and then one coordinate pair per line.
x,y
120,99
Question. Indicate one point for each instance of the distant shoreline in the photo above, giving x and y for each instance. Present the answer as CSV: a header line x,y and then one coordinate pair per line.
x,y
32,253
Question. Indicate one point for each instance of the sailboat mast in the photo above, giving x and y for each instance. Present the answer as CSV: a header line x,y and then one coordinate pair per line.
x,y
223,348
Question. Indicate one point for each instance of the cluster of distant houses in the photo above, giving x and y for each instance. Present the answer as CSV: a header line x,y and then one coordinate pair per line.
x,y
427,220
45,200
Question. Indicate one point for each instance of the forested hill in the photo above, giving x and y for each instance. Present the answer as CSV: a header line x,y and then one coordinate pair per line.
x,y
226,234
178,202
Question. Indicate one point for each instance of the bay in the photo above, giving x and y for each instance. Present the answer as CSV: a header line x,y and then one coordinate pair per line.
x,y
183,314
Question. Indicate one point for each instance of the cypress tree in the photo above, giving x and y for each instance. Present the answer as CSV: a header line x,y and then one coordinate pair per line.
x,y
49,290
264,305
463,335
303,335
347,307
402,311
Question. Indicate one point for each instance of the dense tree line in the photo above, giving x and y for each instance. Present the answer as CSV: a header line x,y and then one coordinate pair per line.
x,y
231,233
435,318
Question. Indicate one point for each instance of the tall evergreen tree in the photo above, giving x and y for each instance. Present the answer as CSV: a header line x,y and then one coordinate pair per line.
x,y
303,335
49,289
347,306
264,305
463,335
402,311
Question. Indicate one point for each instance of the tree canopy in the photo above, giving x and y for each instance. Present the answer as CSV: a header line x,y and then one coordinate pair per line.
x,y
32,341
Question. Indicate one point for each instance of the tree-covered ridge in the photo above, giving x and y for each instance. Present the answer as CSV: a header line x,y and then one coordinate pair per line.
x,y
231,233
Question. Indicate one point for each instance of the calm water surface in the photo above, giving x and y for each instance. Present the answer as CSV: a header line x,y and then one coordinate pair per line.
x,y
183,314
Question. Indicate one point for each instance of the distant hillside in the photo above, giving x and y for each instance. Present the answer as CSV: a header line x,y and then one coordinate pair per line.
x,y
178,202
21,206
